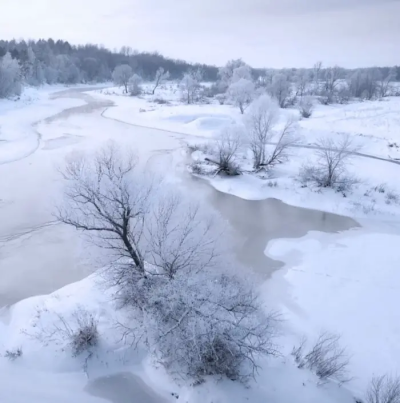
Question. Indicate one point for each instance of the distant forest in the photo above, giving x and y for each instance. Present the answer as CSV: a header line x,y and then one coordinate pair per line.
x,y
49,62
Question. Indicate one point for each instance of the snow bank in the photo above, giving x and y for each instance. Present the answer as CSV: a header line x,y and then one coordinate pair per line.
x,y
347,283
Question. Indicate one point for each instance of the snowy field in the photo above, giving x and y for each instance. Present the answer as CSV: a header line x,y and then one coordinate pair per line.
x,y
345,282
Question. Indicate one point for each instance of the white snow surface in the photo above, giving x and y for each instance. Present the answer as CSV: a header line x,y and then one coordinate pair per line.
x,y
344,282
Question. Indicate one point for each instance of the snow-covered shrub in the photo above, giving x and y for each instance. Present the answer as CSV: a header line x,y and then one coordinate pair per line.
x,y
384,389
392,197
78,332
343,95
168,271
85,336
209,324
12,355
160,101
326,358
329,170
134,86
306,107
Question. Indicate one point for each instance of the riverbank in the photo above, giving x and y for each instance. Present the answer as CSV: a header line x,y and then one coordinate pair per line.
x,y
39,259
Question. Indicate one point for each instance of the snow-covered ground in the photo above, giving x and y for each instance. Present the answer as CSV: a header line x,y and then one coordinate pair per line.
x,y
344,282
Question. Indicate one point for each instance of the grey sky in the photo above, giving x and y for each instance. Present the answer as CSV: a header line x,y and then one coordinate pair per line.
x,y
273,33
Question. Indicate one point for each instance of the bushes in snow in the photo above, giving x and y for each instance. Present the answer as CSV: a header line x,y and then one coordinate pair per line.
x,y
330,168
78,333
261,135
326,358
167,271
228,143
306,107
384,389
12,355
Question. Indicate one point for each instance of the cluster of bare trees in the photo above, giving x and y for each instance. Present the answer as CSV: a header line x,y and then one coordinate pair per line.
x,y
242,85
124,76
262,134
167,270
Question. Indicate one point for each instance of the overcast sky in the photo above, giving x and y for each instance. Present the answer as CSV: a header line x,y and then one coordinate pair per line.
x,y
265,33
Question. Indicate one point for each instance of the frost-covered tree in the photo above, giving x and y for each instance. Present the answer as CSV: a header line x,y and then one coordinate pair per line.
x,y
241,72
261,130
330,169
302,82
160,77
190,86
226,73
229,142
306,106
260,121
331,83
363,84
67,71
241,93
10,77
121,76
134,85
179,296
281,89
385,83
316,76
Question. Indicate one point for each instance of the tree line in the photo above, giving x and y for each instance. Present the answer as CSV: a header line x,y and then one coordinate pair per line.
x,y
56,61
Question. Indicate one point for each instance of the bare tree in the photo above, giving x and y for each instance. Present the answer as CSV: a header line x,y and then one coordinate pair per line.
x,y
262,118
316,76
160,77
331,84
285,140
241,93
302,82
121,76
228,144
332,158
179,295
260,124
100,199
384,389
